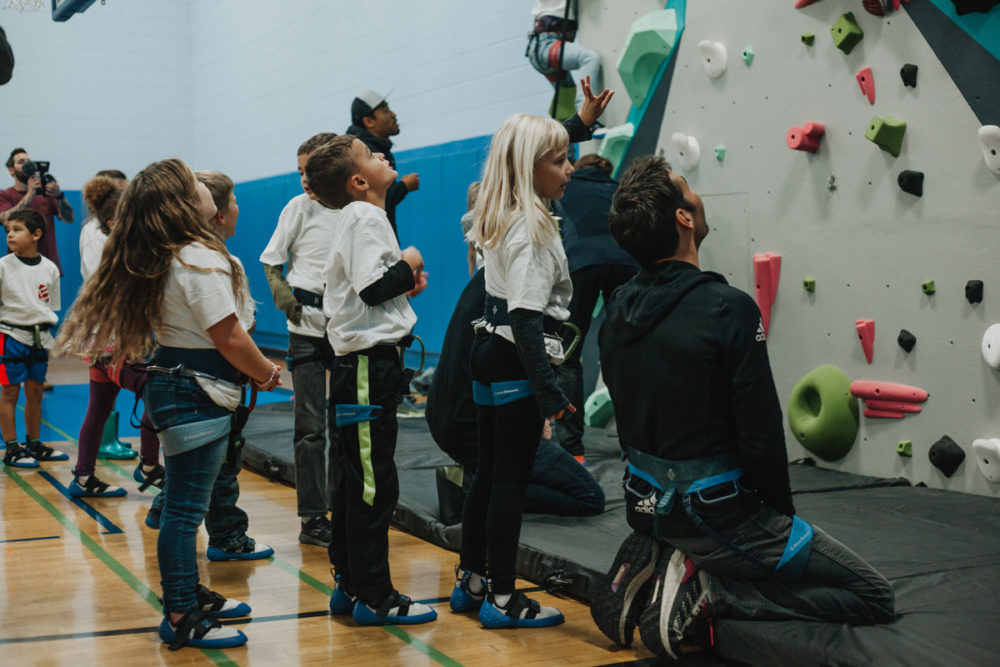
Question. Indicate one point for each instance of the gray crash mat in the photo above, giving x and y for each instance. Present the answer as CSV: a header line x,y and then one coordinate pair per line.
x,y
940,550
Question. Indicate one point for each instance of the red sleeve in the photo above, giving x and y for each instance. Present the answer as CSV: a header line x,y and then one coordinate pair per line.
x,y
5,200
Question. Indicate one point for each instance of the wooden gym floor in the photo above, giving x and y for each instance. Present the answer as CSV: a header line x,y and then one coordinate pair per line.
x,y
80,581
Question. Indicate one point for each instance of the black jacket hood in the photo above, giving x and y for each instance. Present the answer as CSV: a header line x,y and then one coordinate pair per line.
x,y
641,303
377,144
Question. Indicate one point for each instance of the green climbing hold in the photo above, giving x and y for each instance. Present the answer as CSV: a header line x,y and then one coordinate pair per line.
x,y
822,413
887,132
650,41
809,284
720,152
846,32
905,448
928,287
747,55
615,143
808,38
597,410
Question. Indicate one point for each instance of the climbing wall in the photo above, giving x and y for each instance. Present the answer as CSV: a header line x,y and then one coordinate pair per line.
x,y
839,217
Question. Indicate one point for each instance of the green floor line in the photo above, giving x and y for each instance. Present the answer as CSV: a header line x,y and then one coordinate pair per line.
x,y
126,575
394,630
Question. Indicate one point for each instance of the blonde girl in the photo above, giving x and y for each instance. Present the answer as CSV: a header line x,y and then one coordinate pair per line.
x,y
528,291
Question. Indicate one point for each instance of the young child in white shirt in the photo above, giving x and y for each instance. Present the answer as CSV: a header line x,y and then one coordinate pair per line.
x,y
368,280
29,297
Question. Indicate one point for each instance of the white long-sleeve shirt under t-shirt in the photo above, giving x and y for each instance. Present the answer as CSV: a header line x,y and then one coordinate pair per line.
x,y
92,241
301,241
29,295
529,276
195,300
362,248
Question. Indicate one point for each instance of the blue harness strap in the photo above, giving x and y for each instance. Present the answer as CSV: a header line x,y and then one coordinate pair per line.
x,y
500,393
690,478
347,413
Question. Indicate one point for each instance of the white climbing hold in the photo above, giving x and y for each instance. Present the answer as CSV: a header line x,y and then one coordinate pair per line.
x,y
987,452
989,138
991,346
688,150
713,57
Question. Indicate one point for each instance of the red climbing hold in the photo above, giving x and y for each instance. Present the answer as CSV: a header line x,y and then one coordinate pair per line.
x,y
867,83
883,414
799,4
766,269
891,406
805,138
887,391
866,332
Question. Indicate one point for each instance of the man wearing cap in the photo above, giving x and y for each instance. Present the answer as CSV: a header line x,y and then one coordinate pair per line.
x,y
373,122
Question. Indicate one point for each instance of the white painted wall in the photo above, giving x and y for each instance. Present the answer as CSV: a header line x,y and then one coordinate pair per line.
x,y
108,89
868,244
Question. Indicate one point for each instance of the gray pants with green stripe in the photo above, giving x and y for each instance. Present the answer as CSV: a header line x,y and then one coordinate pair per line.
x,y
365,484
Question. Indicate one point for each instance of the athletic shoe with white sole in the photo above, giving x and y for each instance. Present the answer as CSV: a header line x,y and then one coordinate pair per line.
x,y
678,597
621,595
245,549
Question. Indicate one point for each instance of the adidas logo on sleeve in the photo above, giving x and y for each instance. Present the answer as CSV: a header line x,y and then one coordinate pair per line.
x,y
761,336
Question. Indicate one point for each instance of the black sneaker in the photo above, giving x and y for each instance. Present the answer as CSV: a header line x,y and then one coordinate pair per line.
x,y
621,594
316,530
678,597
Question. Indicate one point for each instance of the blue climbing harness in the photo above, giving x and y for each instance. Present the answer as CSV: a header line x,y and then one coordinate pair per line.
x,y
347,413
691,478
500,393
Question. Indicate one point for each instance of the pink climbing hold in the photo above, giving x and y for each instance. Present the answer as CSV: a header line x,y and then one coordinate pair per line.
x,y
766,270
867,83
891,406
866,332
805,138
887,391
799,4
883,414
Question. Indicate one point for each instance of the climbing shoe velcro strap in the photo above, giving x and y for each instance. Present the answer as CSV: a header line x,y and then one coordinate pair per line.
x,y
194,625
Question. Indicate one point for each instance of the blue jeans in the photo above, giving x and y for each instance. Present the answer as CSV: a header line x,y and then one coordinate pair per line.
x,y
837,585
313,468
578,59
190,477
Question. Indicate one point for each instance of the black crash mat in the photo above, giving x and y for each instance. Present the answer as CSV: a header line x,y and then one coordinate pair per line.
x,y
940,550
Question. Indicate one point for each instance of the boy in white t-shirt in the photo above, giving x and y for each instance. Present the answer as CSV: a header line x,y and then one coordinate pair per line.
x,y
301,240
29,297
368,280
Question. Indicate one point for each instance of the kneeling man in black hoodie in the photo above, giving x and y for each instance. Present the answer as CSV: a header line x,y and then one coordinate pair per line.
x,y
684,356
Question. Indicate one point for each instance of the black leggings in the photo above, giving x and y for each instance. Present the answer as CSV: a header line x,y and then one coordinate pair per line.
x,y
508,438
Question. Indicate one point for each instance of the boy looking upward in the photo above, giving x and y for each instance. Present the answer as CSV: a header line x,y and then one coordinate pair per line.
x,y
370,324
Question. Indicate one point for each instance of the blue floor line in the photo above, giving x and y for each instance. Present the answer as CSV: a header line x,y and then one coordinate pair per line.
x,y
110,527
31,539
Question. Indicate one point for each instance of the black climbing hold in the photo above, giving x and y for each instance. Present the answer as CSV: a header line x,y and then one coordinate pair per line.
x,y
906,340
968,6
946,455
909,74
912,182
974,291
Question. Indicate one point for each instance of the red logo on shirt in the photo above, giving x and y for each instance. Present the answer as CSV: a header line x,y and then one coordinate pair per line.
x,y
43,293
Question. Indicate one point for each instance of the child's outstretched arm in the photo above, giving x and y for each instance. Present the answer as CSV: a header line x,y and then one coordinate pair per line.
x,y
235,344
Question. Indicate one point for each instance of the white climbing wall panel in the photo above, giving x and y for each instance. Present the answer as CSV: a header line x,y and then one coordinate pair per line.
x,y
868,244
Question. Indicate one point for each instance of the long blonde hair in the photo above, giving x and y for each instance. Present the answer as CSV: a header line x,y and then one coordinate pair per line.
x,y
120,306
507,189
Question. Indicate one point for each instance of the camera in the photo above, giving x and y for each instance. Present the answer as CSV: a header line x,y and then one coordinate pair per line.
x,y
40,167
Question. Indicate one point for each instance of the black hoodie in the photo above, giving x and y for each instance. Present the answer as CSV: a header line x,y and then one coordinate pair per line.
x,y
685,360
397,191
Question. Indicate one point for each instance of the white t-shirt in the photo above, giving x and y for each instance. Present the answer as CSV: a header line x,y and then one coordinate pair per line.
x,y
529,276
194,300
302,241
362,249
92,241
29,295
551,8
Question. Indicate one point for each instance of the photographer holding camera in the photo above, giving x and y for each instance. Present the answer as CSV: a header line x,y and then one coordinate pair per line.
x,y
35,188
